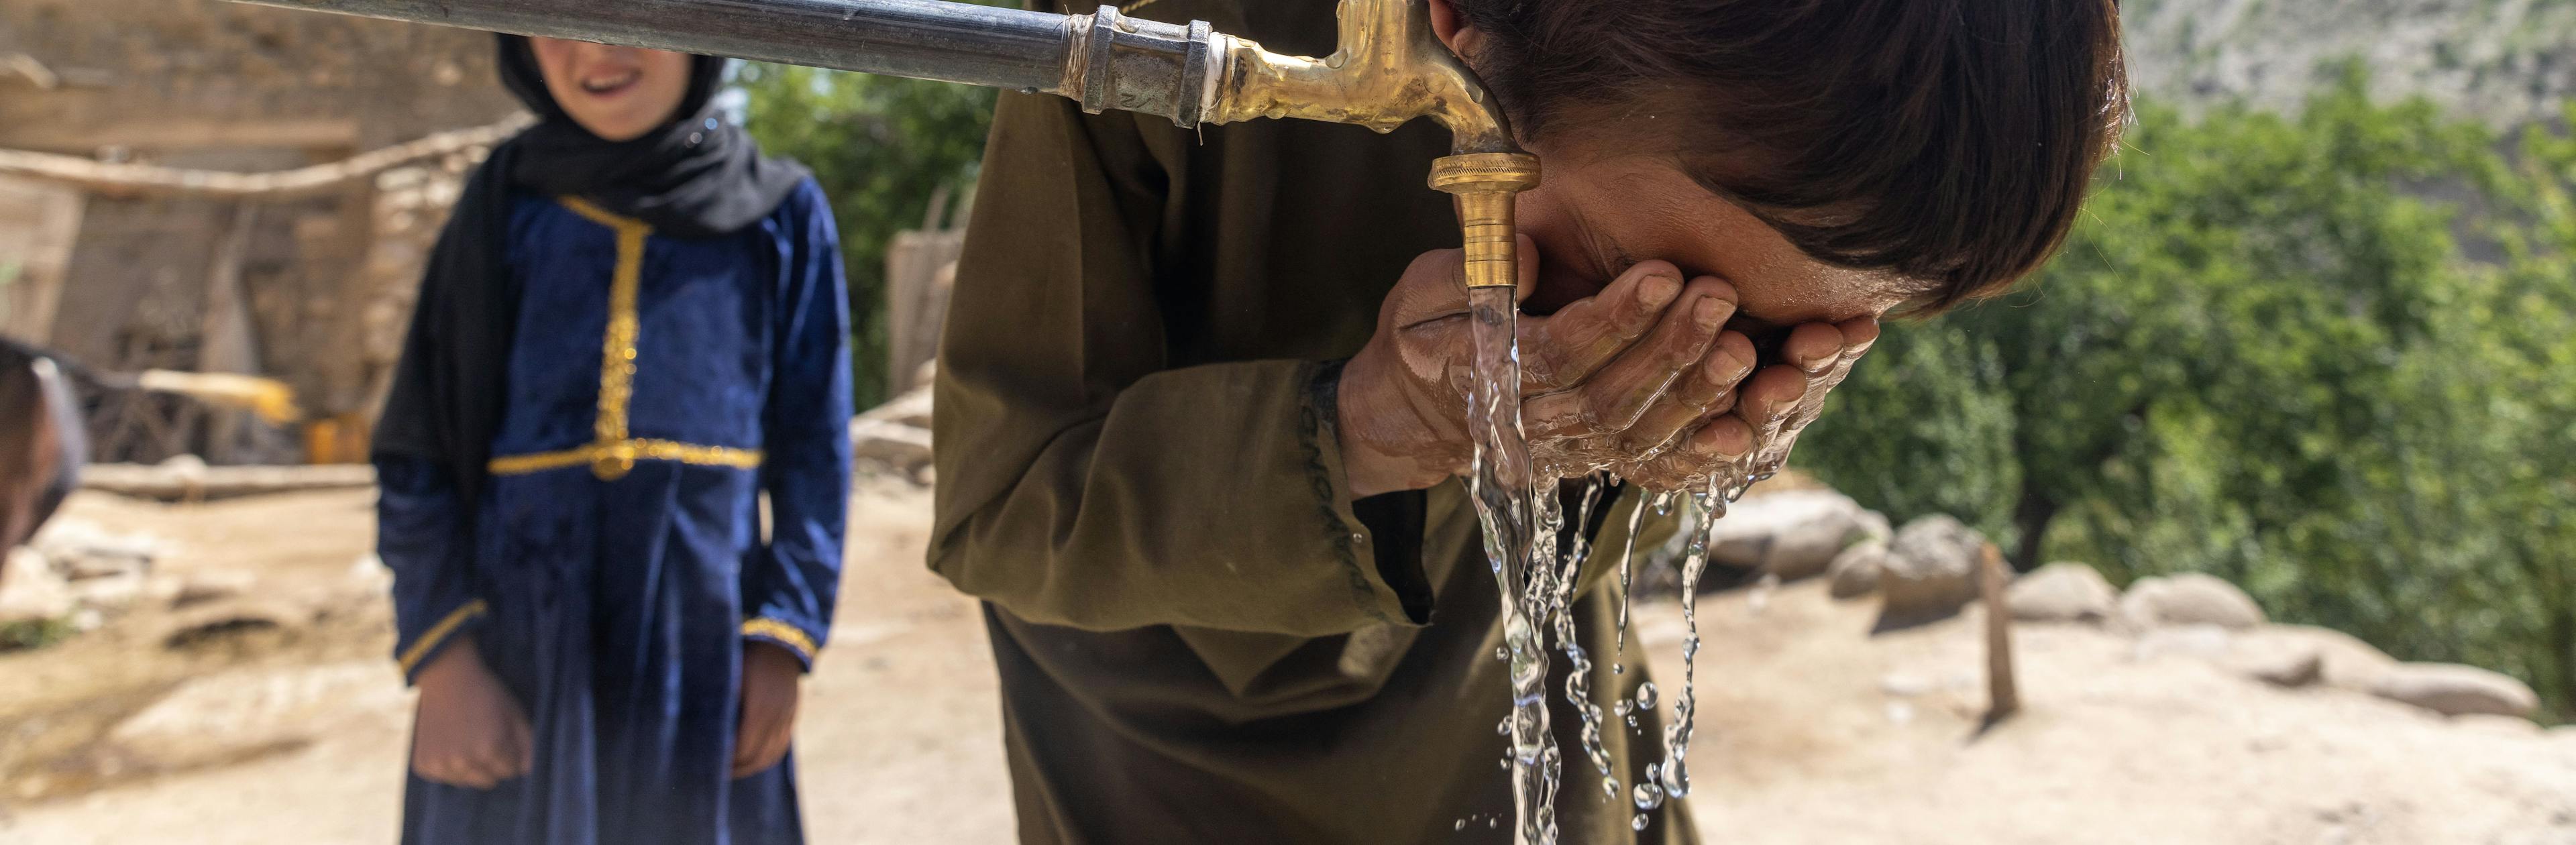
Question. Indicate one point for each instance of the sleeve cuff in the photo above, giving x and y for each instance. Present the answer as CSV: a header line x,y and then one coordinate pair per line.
x,y
435,639
1379,539
784,635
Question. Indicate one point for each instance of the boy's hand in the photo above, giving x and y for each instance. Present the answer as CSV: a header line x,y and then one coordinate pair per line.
x,y
1767,412
770,676
468,730
1612,379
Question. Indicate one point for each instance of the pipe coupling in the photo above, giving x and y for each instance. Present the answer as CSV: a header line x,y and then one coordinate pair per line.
x,y
1132,64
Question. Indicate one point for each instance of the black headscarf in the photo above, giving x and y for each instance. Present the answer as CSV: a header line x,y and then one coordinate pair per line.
x,y
696,176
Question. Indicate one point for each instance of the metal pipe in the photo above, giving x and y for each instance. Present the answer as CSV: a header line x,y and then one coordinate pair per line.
x,y
1388,69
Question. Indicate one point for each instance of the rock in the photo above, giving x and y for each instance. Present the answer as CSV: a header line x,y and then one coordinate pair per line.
x,y
903,446
911,409
2190,598
2343,660
2491,723
1930,571
204,587
214,623
81,550
1874,526
2062,592
2205,642
1855,572
221,717
2455,690
111,593
2292,670
1793,534
30,590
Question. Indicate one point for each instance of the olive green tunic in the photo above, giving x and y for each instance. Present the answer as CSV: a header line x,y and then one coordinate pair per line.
x,y
1200,637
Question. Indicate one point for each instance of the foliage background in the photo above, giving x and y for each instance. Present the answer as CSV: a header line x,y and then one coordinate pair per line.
x,y
2330,357
882,148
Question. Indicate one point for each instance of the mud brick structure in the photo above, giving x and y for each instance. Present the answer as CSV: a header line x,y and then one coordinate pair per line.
x,y
312,289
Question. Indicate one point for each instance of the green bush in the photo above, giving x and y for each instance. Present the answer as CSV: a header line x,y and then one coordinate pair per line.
x,y
2331,357
881,147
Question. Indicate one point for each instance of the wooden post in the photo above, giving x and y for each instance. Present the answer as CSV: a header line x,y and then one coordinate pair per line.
x,y
39,223
2002,691
227,340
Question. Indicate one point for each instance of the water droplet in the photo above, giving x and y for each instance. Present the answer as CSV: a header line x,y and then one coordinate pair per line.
x,y
1646,696
1462,825
711,124
1638,823
1493,823
1503,728
1624,707
1632,722
1501,653
1648,796
1618,669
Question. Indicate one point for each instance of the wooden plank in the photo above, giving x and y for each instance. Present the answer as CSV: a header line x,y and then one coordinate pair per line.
x,y
127,180
56,128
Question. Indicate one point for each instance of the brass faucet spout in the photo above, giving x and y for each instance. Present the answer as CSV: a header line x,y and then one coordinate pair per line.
x,y
1389,68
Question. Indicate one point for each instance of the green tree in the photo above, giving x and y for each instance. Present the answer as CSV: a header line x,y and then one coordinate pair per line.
x,y
2265,353
881,147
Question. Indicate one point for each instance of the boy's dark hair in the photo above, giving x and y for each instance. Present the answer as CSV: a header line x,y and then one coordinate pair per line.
x,y
1948,140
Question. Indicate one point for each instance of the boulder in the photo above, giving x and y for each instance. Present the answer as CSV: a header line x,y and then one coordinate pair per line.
x,y
1874,526
1793,534
2343,661
903,447
2491,723
2292,670
2190,598
223,716
2455,690
1855,572
30,589
1930,571
2062,592
2204,642
81,550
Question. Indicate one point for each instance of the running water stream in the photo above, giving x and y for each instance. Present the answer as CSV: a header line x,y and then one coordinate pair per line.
x,y
1536,566
1505,495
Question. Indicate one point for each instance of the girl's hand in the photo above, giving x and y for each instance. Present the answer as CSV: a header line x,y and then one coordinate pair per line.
x,y
770,678
468,730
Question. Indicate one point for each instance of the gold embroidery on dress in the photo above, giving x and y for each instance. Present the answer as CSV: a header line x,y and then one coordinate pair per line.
x,y
438,633
786,635
611,453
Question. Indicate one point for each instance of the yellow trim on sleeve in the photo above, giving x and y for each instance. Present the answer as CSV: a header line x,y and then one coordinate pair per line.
x,y
612,453
785,634
439,633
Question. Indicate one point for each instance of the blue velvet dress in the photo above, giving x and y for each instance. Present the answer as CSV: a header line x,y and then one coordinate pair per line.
x,y
658,390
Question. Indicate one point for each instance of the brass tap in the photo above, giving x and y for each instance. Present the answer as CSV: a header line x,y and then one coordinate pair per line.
x,y
1388,69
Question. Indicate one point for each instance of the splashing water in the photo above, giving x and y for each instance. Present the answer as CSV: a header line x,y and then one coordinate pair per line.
x,y
1677,736
1524,527
1578,681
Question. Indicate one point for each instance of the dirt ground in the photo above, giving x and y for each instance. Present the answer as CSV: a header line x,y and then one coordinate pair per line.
x,y
1812,731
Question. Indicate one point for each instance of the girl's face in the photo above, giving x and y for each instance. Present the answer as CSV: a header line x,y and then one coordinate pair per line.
x,y
618,93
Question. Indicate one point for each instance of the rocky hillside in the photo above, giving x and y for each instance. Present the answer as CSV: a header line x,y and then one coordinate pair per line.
x,y
2505,61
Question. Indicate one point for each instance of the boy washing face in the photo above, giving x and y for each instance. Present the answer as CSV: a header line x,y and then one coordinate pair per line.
x,y
632,329
1198,407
